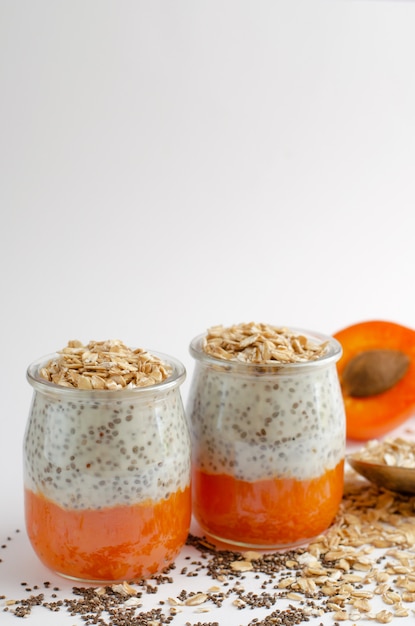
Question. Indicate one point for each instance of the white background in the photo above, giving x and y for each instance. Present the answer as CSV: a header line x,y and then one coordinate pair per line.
x,y
167,166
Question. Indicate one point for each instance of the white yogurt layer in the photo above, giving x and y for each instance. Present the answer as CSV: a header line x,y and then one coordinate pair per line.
x,y
267,426
104,450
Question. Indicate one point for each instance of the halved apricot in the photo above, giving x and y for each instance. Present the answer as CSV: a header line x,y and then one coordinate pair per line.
x,y
377,377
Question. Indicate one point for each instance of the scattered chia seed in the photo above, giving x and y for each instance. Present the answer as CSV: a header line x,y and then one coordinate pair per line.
x,y
266,584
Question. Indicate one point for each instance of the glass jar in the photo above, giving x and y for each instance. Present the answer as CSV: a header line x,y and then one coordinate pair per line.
x,y
107,477
268,447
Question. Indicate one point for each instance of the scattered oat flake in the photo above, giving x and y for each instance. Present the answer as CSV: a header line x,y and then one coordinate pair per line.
x,y
241,566
384,617
132,601
250,555
396,452
175,602
340,616
197,599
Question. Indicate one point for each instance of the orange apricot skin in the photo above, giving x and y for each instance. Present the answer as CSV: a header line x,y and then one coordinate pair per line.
x,y
267,513
374,416
110,544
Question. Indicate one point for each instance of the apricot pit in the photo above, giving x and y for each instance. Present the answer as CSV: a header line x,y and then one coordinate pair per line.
x,y
374,371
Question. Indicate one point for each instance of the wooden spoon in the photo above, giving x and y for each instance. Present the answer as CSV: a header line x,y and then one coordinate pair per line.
x,y
400,479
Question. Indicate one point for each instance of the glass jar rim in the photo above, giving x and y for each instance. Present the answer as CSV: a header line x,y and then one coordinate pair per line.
x,y
39,383
331,355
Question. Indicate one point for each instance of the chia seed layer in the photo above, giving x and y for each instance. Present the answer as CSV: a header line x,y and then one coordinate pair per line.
x,y
260,426
106,448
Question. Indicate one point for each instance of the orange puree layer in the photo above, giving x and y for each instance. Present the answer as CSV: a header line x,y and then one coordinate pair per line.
x,y
274,512
109,544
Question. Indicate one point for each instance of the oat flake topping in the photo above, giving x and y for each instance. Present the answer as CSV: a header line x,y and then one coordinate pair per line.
x,y
260,343
104,365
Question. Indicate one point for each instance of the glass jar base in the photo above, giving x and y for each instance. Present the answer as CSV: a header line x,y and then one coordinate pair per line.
x,y
97,581
225,543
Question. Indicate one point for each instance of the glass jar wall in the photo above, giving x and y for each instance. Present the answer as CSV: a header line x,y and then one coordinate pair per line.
x,y
107,477
268,447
